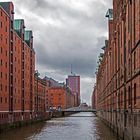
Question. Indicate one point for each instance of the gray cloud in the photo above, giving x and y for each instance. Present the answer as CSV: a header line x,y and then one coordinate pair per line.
x,y
66,32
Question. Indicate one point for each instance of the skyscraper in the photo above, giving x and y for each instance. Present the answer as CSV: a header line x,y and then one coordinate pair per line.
x,y
73,81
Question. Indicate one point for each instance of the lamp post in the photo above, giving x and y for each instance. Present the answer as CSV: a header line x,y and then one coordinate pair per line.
x,y
37,75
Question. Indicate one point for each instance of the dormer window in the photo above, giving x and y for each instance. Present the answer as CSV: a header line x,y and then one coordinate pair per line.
x,y
109,14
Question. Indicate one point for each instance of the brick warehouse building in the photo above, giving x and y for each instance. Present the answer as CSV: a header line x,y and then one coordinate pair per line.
x,y
60,98
118,76
17,58
58,95
40,97
56,98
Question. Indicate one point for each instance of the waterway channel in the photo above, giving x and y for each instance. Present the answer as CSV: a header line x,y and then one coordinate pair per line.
x,y
80,126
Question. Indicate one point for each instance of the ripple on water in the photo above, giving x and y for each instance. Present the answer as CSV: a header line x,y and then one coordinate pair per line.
x,y
69,128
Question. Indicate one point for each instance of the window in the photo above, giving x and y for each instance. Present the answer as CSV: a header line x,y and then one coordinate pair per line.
x,y
6,64
122,98
1,74
121,59
129,46
5,88
1,62
135,120
6,76
5,100
1,99
6,40
134,60
1,49
129,95
1,37
1,87
1,24
135,22
129,17
119,100
135,94
129,66
6,29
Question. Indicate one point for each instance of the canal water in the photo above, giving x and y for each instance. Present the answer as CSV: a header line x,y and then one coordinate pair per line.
x,y
80,126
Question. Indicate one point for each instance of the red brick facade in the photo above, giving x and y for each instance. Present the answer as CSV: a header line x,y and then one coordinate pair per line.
x,y
17,67
4,65
59,97
39,98
118,76
23,95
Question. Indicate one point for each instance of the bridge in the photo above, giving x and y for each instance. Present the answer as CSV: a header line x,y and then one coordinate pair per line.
x,y
69,111
79,109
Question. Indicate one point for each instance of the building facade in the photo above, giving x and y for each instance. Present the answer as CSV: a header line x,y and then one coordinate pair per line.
x,y
24,95
17,67
118,75
4,64
56,98
70,98
40,97
94,98
73,82
58,95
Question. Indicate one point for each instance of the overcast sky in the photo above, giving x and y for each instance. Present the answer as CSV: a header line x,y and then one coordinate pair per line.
x,y
66,32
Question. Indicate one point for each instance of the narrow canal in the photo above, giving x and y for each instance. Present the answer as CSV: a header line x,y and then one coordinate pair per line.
x,y
81,126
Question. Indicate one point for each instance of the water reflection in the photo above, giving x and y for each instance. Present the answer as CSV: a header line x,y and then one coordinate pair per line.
x,y
81,126
23,132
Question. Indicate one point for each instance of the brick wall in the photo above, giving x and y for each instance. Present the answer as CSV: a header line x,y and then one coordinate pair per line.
x,y
118,76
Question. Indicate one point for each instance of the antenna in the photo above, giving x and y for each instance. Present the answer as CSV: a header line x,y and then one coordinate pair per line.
x,y
71,69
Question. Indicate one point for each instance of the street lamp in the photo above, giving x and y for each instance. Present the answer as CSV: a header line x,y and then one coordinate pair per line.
x,y
37,75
